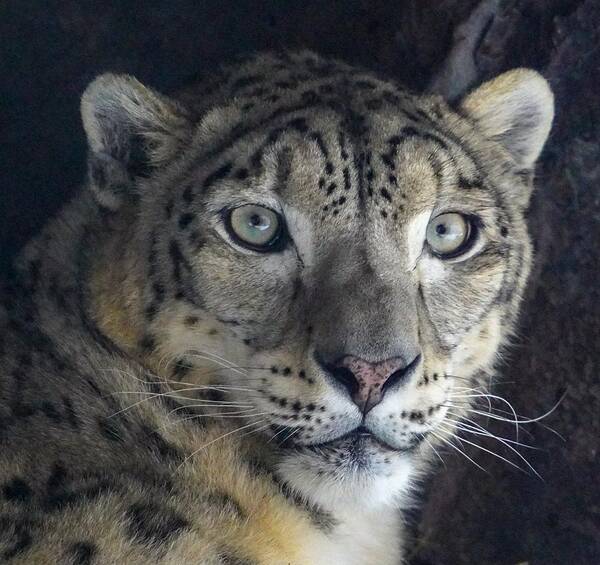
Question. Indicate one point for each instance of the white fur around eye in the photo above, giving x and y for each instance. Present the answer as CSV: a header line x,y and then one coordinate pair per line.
x,y
417,229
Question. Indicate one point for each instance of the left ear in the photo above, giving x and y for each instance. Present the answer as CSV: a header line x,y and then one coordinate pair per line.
x,y
516,110
131,130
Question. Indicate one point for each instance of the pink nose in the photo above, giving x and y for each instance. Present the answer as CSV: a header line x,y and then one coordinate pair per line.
x,y
367,381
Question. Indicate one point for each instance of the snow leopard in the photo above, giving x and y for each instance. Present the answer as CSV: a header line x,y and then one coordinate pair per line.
x,y
246,336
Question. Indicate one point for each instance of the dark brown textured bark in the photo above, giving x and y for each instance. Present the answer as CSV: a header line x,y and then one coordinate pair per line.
x,y
49,51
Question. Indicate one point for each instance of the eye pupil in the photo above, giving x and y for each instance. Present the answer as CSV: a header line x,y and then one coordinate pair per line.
x,y
440,229
255,220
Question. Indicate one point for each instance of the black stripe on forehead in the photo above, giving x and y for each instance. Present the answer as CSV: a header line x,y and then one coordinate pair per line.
x,y
245,81
342,145
407,133
242,130
297,125
436,131
359,164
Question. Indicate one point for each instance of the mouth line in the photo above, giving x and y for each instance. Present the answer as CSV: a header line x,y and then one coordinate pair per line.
x,y
360,433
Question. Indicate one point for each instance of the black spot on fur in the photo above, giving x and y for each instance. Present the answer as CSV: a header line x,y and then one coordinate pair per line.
x,y
147,344
217,175
70,413
16,534
177,259
181,369
60,490
299,124
196,240
225,502
57,478
16,490
156,443
319,517
153,524
374,104
110,429
365,85
188,195
159,291
246,81
185,220
169,208
211,394
346,173
241,174
391,98
227,557
310,97
385,193
51,412
466,184
82,553
150,311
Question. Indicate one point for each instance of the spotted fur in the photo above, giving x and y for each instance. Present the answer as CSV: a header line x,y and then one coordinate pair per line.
x,y
163,394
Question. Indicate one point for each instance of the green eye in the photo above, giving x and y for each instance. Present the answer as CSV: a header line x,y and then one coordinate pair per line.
x,y
449,234
255,227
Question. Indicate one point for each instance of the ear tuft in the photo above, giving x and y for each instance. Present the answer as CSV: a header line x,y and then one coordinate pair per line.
x,y
131,129
516,109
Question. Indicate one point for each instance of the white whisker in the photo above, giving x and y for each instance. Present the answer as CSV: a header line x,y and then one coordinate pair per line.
x,y
219,438
476,429
222,415
434,450
449,443
499,398
494,454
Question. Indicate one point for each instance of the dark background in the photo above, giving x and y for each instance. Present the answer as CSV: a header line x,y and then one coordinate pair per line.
x,y
50,50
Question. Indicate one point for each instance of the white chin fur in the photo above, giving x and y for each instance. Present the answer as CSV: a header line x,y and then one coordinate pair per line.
x,y
365,488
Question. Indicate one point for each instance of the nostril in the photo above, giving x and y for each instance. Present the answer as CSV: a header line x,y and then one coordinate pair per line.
x,y
367,381
401,374
344,376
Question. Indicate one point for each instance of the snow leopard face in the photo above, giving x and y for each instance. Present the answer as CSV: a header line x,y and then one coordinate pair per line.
x,y
350,256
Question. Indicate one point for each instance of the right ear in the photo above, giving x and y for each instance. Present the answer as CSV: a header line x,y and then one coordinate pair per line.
x,y
131,130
